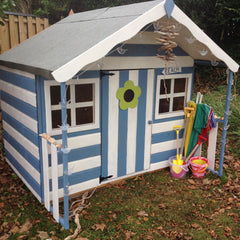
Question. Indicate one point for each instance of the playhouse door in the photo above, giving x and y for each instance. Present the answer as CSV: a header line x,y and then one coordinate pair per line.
x,y
126,121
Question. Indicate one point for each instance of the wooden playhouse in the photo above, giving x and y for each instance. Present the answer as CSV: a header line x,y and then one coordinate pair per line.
x,y
84,103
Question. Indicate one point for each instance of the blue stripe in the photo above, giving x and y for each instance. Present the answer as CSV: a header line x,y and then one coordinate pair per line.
x,y
31,181
87,74
41,124
18,80
81,153
26,132
145,50
27,155
141,120
162,156
105,113
166,136
77,134
122,131
168,119
20,105
185,70
78,177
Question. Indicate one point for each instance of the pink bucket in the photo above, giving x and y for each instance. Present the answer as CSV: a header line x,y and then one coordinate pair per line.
x,y
198,165
183,168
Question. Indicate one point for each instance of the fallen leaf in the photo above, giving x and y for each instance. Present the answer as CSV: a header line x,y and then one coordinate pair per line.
x,y
42,235
97,227
161,206
82,238
142,214
206,181
195,225
128,235
14,229
25,227
191,181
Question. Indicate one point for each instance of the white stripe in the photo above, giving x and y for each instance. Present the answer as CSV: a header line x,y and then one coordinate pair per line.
x,y
28,145
45,174
25,182
166,126
132,129
113,125
159,165
78,188
111,63
165,146
55,182
148,127
21,117
212,147
84,141
20,93
78,166
22,161
19,72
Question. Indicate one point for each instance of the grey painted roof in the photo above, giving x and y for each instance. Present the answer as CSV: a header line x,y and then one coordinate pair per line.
x,y
65,40
63,49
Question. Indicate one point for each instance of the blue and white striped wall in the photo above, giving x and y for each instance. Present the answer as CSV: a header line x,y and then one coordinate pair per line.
x,y
124,143
19,114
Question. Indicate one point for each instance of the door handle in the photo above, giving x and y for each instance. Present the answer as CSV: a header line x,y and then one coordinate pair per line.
x,y
149,122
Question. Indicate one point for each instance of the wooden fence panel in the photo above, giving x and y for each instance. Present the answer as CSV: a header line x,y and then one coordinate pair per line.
x,y
18,28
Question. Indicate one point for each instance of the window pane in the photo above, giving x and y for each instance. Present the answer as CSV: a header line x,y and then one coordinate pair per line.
x,y
179,85
163,105
84,92
56,95
57,118
84,115
178,103
168,86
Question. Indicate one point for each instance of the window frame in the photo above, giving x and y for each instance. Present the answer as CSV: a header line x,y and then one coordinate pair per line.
x,y
171,95
72,105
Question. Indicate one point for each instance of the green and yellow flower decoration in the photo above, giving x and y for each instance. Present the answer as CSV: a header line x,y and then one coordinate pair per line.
x,y
128,95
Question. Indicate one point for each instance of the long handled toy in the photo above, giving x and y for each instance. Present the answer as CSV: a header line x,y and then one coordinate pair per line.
x,y
188,111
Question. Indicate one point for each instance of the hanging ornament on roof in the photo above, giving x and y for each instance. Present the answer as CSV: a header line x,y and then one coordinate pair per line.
x,y
166,39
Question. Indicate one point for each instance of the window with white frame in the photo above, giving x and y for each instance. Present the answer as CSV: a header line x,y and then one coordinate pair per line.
x,y
82,104
172,93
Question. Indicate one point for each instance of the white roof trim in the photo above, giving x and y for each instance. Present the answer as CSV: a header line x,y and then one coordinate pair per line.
x,y
98,51
202,37
68,70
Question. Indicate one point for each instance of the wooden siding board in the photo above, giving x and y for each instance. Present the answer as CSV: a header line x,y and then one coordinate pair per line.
x,y
20,105
23,151
79,177
26,132
18,80
24,173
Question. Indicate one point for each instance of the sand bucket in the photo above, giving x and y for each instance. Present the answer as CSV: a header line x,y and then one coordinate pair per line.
x,y
198,166
177,171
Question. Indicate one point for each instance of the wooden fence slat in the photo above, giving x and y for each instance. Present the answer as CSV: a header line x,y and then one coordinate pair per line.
x,y
13,27
22,29
38,25
46,23
5,37
18,29
31,29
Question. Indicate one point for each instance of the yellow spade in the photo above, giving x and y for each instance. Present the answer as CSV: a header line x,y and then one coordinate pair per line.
x,y
177,161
